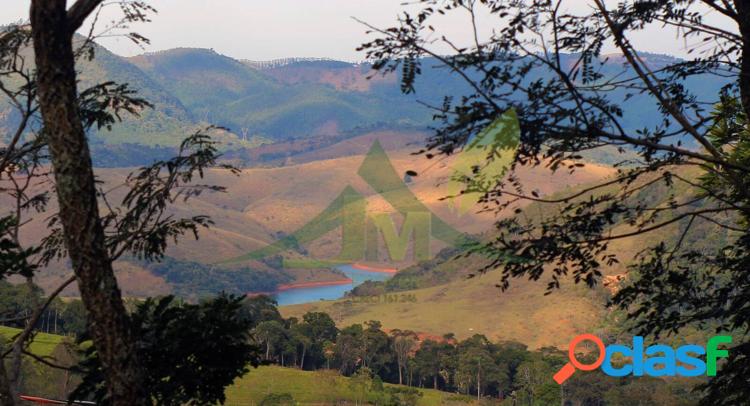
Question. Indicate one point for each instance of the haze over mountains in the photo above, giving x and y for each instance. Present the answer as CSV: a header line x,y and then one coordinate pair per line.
x,y
314,103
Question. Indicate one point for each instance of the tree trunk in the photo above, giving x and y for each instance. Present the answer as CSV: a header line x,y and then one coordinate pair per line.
x,y
7,397
76,195
479,380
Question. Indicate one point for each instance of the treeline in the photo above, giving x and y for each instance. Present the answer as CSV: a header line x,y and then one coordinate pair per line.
x,y
504,371
18,302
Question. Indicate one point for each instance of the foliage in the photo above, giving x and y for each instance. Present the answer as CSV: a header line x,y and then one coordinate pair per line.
x,y
138,226
545,61
190,352
278,399
473,367
195,280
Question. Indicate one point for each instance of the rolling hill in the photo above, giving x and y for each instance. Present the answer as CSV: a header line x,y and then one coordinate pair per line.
x,y
447,295
264,203
315,387
234,94
313,102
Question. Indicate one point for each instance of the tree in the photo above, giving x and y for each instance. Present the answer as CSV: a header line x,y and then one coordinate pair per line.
x,y
258,309
404,343
53,28
270,334
329,352
360,383
348,349
476,367
74,318
375,347
190,352
427,360
45,92
685,169
319,328
300,342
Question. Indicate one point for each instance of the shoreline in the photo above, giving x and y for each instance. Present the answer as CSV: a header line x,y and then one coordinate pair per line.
x,y
363,267
301,285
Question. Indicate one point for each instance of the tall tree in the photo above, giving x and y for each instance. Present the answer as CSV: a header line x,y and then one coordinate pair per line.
x,y
404,342
544,59
53,27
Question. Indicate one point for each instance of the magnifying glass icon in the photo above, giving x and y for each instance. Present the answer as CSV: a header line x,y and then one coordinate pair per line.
x,y
573,364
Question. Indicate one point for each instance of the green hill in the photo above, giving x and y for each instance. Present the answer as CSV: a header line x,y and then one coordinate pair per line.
x,y
263,102
234,94
166,124
43,345
316,387
40,379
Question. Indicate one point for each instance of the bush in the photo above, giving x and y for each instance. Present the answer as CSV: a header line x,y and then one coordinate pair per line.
x,y
277,399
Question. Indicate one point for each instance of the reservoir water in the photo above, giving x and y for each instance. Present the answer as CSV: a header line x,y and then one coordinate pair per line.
x,y
314,294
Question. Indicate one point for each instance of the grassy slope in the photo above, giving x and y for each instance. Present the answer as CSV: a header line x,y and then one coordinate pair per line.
x,y
321,387
263,201
467,306
43,345
475,306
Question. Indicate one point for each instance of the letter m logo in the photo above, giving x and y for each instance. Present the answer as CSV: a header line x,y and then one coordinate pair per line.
x,y
417,224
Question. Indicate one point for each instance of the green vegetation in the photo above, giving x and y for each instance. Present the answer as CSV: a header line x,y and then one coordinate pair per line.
x,y
190,352
521,312
40,379
195,280
262,385
568,101
500,371
43,345
230,93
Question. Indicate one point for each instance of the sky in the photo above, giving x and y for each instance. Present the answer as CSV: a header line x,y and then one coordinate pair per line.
x,y
270,29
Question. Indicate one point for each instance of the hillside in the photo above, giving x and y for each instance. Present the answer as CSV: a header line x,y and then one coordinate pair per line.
x,y
466,307
233,94
262,204
316,387
446,295
302,105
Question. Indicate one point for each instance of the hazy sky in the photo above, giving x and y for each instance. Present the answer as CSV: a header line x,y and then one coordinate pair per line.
x,y
269,29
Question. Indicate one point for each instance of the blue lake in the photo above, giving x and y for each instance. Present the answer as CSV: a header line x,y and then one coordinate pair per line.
x,y
306,295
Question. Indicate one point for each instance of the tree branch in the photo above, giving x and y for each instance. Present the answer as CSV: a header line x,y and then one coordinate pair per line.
x,y
24,335
79,11
665,101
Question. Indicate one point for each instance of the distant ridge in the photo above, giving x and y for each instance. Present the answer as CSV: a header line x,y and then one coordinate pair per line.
x,y
281,62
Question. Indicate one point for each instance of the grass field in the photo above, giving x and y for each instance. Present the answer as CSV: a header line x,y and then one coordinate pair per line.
x,y
312,387
475,306
43,345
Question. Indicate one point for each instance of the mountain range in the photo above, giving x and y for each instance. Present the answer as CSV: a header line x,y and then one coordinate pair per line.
x,y
314,101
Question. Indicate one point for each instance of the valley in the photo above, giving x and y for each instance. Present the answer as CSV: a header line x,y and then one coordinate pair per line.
x,y
468,225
